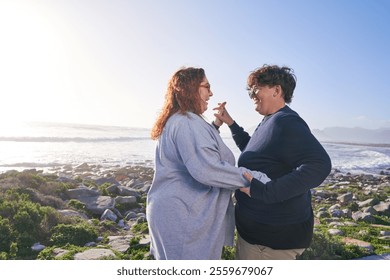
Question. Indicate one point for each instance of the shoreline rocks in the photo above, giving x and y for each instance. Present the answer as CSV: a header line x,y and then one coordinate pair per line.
x,y
118,194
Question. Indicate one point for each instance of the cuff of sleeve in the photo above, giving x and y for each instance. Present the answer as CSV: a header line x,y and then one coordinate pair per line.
x,y
234,126
216,126
257,189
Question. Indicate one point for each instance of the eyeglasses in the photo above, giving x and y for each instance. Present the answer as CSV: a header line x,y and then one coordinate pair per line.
x,y
252,92
208,87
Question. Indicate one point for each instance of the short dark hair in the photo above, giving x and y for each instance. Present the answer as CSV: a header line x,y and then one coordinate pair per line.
x,y
273,75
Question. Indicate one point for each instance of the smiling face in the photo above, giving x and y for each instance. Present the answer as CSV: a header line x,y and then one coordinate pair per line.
x,y
263,99
267,99
205,94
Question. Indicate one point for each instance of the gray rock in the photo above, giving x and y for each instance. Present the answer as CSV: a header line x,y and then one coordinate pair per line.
x,y
337,213
368,202
376,257
104,180
108,215
364,217
322,214
127,191
83,167
59,252
94,254
98,204
383,208
336,224
322,193
345,198
131,216
145,240
129,201
135,184
37,247
334,231
360,243
120,243
82,191
347,213
384,233
370,210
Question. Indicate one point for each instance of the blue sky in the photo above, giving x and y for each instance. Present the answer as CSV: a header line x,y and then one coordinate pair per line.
x,y
108,62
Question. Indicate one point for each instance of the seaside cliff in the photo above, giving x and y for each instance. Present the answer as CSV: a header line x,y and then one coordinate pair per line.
x,y
94,212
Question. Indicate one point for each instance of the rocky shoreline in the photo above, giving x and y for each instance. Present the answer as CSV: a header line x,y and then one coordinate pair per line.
x,y
353,208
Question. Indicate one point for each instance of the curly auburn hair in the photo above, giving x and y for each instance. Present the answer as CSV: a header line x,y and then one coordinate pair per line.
x,y
182,96
273,75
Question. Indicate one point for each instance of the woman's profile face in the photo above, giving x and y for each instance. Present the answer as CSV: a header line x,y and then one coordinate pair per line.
x,y
205,93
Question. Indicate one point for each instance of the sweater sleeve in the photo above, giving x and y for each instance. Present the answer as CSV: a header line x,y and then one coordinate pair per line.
x,y
310,164
200,154
240,136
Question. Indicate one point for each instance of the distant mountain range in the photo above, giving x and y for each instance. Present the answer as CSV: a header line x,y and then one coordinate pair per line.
x,y
353,135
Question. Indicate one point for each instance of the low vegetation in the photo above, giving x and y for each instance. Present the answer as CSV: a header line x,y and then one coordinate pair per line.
x,y
29,202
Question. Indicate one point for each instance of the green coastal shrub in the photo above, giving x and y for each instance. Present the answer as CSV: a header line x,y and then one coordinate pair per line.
x,y
78,234
137,251
326,247
24,223
5,233
31,179
228,253
76,204
140,227
69,251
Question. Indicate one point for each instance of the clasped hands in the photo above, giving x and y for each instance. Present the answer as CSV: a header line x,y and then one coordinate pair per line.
x,y
222,116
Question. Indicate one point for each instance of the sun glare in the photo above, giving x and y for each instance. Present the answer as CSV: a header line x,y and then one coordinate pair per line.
x,y
26,54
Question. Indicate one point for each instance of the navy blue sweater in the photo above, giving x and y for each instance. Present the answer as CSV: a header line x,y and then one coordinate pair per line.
x,y
284,148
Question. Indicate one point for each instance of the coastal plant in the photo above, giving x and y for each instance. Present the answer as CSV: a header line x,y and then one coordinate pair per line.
x,y
46,254
326,247
5,233
104,189
31,179
78,234
228,253
76,204
140,228
107,225
382,220
56,188
137,251
3,256
142,201
51,218
26,222
89,183
41,198
13,250
353,206
70,251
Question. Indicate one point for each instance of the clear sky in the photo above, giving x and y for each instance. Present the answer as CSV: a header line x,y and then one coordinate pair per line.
x,y
108,62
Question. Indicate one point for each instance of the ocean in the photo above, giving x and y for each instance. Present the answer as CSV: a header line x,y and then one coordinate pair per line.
x,y
49,145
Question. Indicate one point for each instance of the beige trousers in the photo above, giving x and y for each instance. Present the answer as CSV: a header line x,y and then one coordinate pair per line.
x,y
247,251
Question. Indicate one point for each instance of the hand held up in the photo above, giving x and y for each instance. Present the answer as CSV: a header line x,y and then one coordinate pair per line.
x,y
222,114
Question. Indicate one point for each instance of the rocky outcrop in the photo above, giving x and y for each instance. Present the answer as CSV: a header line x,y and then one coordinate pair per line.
x,y
118,195
345,200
